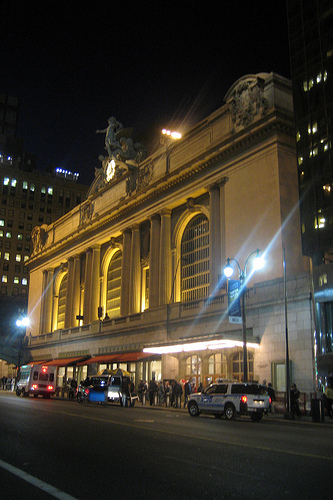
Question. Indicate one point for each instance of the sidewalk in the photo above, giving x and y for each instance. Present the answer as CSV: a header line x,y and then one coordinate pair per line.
x,y
276,417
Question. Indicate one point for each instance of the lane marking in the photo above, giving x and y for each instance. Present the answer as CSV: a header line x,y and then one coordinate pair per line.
x,y
144,420
51,490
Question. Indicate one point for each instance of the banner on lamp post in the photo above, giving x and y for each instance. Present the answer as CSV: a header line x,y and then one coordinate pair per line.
x,y
234,302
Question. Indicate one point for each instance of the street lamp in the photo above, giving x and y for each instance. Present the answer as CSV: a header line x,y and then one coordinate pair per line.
x,y
258,263
167,137
23,323
171,134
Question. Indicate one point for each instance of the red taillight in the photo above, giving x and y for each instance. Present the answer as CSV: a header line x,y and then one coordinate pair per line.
x,y
35,386
270,400
244,399
44,369
50,387
86,391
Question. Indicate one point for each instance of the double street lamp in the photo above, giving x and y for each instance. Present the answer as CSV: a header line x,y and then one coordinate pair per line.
x,y
22,323
168,136
258,263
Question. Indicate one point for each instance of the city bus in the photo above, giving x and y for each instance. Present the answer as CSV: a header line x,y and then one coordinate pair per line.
x,y
37,380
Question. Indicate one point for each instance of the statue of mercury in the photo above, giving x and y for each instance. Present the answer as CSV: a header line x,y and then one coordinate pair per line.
x,y
112,145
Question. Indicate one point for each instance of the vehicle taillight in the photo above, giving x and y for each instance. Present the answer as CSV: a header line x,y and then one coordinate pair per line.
x,y
244,399
44,369
50,387
86,391
270,400
35,386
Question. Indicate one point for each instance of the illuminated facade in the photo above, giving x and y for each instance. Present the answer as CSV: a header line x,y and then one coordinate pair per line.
x,y
133,276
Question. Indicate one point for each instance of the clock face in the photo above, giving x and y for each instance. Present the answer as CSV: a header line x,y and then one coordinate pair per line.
x,y
110,170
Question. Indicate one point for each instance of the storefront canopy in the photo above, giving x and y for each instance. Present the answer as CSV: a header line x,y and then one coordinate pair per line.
x,y
129,357
67,361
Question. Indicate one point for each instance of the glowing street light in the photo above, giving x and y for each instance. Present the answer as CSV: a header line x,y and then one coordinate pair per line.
x,y
258,263
170,136
23,322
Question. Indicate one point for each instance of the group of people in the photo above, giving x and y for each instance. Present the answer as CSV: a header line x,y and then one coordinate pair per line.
x,y
294,398
8,383
168,392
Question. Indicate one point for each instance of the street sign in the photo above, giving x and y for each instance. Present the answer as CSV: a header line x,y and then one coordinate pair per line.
x,y
234,303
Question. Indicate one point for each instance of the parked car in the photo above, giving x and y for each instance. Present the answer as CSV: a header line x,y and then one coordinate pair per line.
x,y
231,399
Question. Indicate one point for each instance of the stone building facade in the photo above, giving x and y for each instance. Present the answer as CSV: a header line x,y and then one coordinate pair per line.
x,y
133,277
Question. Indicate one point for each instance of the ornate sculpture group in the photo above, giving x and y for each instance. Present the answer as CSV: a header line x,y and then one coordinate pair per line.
x,y
119,144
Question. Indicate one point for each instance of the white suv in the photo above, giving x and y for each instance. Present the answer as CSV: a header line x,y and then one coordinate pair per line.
x,y
231,399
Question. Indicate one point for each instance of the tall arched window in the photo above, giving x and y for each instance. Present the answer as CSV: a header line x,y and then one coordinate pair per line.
x,y
237,366
217,366
193,369
62,303
195,259
114,285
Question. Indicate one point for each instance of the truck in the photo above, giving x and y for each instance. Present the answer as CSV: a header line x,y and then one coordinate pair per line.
x,y
37,380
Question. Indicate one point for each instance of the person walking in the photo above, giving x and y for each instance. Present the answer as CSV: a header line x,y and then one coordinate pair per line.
x,y
294,401
187,392
329,400
271,393
152,390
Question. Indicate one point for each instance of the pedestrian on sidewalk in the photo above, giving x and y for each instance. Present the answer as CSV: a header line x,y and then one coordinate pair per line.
x,y
271,393
294,401
187,391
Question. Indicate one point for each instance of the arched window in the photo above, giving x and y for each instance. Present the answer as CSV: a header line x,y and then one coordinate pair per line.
x,y
193,369
237,366
217,366
114,285
62,303
195,259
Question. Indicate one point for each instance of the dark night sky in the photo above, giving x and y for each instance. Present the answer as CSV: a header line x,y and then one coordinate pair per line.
x,y
148,63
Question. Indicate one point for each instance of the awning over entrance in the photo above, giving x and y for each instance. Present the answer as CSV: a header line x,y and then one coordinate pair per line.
x,y
66,361
129,357
197,346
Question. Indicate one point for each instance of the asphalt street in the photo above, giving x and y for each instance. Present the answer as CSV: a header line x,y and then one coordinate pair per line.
x,y
61,449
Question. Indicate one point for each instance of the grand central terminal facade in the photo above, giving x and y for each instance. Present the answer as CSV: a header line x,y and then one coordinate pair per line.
x,y
133,276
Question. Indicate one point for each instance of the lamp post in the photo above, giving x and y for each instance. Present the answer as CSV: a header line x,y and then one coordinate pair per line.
x,y
228,271
21,323
167,137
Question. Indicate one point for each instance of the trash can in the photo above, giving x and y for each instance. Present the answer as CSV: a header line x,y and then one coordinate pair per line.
x,y
317,410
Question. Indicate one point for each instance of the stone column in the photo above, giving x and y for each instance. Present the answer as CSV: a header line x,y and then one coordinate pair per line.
x,y
95,283
215,263
222,184
125,273
76,290
48,310
87,287
55,312
165,257
135,272
69,293
154,258
42,304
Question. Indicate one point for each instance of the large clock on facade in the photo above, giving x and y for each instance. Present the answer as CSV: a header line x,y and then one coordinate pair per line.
x,y
110,170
